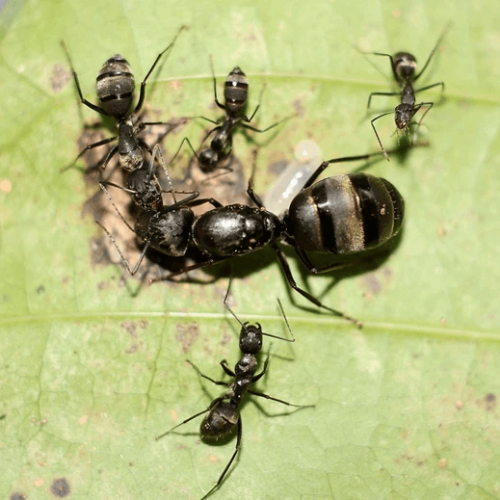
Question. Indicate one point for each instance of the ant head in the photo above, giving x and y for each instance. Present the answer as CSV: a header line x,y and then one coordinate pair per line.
x,y
405,65
220,421
235,91
251,338
115,86
403,115
169,230
209,159
146,193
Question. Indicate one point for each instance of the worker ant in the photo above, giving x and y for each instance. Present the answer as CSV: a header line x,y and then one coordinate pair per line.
x,y
404,65
344,214
115,87
235,97
223,412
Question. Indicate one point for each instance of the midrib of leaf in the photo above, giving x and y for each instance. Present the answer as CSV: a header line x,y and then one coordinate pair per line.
x,y
390,327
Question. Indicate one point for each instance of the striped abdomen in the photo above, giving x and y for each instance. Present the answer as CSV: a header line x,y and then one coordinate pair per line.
x,y
345,214
235,91
115,86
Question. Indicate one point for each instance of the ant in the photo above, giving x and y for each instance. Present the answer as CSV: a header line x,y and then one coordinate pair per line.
x,y
223,412
404,65
115,89
235,96
342,214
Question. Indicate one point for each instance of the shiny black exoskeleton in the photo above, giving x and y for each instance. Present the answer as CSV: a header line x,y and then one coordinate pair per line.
x,y
115,87
340,215
403,65
223,412
235,98
142,184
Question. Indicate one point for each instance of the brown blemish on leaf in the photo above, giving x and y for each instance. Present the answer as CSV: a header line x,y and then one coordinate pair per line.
x,y
39,482
17,496
442,463
60,488
186,335
372,283
59,78
491,401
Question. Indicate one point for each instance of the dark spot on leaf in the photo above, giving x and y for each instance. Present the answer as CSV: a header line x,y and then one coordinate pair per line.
x,y
60,488
491,401
40,289
59,78
2,416
17,496
131,328
186,335
372,283
299,108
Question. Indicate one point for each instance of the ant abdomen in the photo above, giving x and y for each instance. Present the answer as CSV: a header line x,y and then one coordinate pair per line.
x,y
405,65
115,86
345,214
220,421
236,91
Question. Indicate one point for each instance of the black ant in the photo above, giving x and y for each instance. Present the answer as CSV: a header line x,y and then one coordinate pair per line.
x,y
115,87
235,96
404,65
223,412
340,215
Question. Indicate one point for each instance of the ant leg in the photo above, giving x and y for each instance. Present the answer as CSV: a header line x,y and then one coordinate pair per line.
x,y
178,150
221,106
429,104
257,377
262,395
288,274
78,88
133,270
312,268
224,472
143,83
108,183
431,86
249,127
257,107
326,163
216,382
440,39
212,405
108,196
380,93
110,155
188,269
226,368
88,148
378,137
393,66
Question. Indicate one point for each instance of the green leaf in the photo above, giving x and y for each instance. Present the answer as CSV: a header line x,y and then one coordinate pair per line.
x,y
92,367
